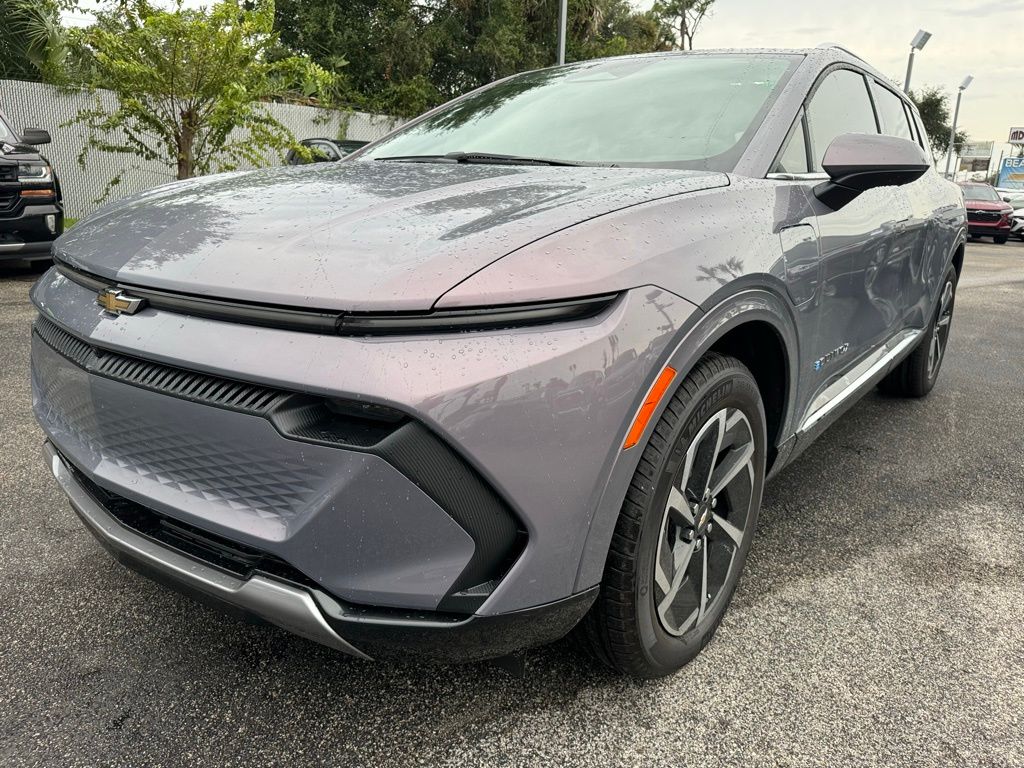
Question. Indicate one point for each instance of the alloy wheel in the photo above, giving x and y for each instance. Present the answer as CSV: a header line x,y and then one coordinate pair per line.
x,y
940,335
705,521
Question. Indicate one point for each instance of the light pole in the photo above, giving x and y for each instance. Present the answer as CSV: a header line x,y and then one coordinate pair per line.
x,y
956,116
917,44
563,14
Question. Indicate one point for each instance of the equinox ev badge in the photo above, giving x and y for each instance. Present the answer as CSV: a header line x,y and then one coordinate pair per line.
x,y
824,360
118,302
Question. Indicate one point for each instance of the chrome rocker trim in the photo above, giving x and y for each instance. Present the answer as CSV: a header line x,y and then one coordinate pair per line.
x,y
859,377
281,604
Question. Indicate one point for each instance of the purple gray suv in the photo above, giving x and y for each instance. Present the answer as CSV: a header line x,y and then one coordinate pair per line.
x,y
521,367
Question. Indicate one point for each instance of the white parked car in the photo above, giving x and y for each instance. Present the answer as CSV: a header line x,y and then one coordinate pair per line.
x,y
1017,222
1014,197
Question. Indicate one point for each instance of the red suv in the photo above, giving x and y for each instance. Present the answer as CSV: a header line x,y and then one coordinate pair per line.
x,y
987,214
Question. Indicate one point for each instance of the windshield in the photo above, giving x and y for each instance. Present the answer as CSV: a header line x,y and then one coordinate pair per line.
x,y
676,111
981,193
6,134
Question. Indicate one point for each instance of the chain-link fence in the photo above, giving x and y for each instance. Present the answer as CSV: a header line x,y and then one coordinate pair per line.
x,y
36,105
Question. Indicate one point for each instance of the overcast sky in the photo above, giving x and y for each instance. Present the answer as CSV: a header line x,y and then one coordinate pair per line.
x,y
984,38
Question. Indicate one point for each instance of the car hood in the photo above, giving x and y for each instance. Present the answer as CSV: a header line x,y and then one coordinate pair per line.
x,y
987,205
18,151
357,235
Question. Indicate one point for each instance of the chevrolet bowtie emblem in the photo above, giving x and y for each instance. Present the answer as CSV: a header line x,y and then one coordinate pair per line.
x,y
117,302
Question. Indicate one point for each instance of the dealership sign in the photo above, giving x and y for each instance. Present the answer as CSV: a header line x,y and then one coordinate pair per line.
x,y
978,150
1011,173
1017,136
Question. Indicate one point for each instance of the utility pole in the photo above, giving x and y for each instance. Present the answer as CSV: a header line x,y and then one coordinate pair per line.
x,y
563,16
917,44
956,117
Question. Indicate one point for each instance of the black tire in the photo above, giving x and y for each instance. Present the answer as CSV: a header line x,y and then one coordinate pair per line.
x,y
626,628
1001,240
917,374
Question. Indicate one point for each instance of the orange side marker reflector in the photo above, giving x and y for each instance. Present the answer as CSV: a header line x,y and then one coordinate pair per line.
x,y
649,407
37,193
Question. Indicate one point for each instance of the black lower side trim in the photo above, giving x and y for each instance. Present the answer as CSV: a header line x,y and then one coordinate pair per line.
x,y
475,639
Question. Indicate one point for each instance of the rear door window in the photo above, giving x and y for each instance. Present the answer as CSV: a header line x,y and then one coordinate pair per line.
x,y
892,113
840,105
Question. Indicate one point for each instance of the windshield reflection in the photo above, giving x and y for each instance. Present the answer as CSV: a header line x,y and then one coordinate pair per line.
x,y
663,110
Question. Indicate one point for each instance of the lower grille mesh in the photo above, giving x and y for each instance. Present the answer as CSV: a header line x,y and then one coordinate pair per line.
x,y
233,557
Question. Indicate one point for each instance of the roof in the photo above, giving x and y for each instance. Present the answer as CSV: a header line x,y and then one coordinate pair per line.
x,y
822,55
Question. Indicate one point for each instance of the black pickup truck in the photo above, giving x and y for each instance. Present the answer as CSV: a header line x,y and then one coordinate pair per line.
x,y
31,209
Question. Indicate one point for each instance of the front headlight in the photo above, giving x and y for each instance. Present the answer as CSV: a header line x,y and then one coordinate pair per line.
x,y
35,172
473,319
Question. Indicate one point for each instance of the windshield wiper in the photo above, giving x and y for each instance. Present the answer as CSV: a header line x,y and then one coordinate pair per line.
x,y
486,158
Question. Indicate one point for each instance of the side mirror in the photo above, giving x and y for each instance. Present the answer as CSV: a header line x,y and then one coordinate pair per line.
x,y
1007,199
857,162
35,136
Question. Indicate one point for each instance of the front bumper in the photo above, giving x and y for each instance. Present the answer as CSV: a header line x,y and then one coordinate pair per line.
x,y
25,233
988,228
309,612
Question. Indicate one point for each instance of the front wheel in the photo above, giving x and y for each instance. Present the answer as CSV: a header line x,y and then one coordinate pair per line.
x,y
686,525
1000,240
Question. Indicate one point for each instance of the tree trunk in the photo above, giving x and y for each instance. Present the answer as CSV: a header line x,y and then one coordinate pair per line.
x,y
186,146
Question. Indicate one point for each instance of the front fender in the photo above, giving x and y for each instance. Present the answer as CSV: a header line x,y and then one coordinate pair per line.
x,y
751,305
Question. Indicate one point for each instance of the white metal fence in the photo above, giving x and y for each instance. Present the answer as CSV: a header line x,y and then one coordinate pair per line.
x,y
36,105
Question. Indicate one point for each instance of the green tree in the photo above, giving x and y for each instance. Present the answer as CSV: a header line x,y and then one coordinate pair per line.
x,y
191,84
683,18
933,104
614,28
405,56
33,43
383,45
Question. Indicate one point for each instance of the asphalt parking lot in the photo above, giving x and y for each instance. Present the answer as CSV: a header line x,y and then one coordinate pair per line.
x,y
880,620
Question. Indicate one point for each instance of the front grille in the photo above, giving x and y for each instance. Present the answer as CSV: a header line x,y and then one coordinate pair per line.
x,y
8,199
303,417
8,171
176,382
983,217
